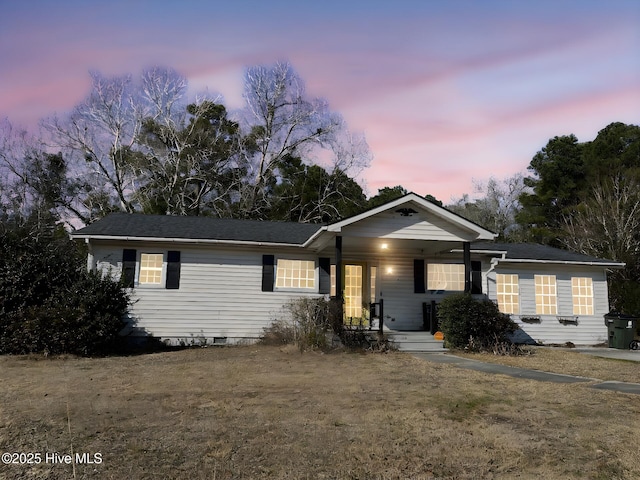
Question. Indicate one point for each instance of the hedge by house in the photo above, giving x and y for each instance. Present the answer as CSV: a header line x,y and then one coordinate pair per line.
x,y
464,319
49,302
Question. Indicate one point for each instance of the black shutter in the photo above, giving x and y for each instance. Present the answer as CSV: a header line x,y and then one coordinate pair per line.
x,y
418,276
173,270
268,270
476,277
325,275
128,267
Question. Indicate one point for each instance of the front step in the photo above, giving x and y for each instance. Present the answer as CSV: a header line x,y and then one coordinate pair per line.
x,y
415,341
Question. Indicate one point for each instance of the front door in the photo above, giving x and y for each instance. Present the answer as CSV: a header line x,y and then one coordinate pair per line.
x,y
353,294
359,290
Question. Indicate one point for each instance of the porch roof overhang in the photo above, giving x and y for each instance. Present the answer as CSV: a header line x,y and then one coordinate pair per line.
x,y
426,226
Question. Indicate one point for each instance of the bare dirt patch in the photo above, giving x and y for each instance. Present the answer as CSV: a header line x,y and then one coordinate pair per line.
x,y
269,412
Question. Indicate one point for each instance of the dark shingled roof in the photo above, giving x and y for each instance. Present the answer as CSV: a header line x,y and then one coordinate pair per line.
x,y
198,228
532,251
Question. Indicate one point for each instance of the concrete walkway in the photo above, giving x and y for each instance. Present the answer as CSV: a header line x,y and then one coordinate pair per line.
x,y
516,372
630,355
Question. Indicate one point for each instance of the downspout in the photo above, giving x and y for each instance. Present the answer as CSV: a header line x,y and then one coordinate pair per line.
x,y
466,255
90,258
494,264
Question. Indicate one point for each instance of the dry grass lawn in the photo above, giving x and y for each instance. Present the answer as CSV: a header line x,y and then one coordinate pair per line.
x,y
270,412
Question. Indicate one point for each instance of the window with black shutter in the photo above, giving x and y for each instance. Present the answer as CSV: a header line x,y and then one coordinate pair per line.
x,y
268,272
128,267
173,270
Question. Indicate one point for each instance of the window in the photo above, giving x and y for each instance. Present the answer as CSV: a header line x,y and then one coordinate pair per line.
x,y
353,291
296,274
445,276
332,292
372,287
582,293
150,269
508,293
546,297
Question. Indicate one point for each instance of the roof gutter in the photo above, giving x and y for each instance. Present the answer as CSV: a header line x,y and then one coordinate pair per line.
x,y
193,241
561,262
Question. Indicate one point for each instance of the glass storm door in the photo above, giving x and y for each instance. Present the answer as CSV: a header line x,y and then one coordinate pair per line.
x,y
353,294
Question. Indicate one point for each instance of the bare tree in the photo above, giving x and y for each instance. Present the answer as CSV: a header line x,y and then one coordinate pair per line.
x,y
95,136
607,224
188,164
284,123
14,196
127,142
140,146
34,184
496,209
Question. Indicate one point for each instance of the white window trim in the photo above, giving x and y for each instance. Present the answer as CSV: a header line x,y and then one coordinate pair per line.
x,y
591,304
512,294
540,306
163,275
316,277
443,289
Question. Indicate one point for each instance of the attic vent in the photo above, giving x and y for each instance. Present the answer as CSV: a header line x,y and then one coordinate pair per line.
x,y
406,212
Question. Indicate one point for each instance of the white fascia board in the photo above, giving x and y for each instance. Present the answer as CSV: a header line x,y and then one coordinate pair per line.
x,y
190,241
562,262
315,236
502,253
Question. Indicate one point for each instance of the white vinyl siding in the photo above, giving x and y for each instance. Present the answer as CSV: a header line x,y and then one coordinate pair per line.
x,y
423,226
445,276
220,294
295,274
589,329
582,294
508,293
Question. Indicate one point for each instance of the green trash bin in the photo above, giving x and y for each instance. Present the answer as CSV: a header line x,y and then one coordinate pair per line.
x,y
621,330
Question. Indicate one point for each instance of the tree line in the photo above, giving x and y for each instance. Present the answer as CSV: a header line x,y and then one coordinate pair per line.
x,y
139,145
581,196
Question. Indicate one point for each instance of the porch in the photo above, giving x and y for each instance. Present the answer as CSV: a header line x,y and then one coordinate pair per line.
x,y
415,342
408,254
422,341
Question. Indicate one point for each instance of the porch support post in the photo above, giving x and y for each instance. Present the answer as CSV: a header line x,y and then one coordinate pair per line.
x,y
466,249
339,267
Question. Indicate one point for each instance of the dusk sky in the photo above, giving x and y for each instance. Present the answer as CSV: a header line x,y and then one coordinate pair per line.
x,y
445,91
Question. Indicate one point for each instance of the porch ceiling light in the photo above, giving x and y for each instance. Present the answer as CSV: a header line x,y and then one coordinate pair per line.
x,y
406,212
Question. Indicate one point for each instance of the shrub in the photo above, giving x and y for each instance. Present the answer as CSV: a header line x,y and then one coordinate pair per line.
x,y
464,319
306,323
49,302
312,323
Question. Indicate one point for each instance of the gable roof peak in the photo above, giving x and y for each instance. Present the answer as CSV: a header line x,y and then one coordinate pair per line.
x,y
424,205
